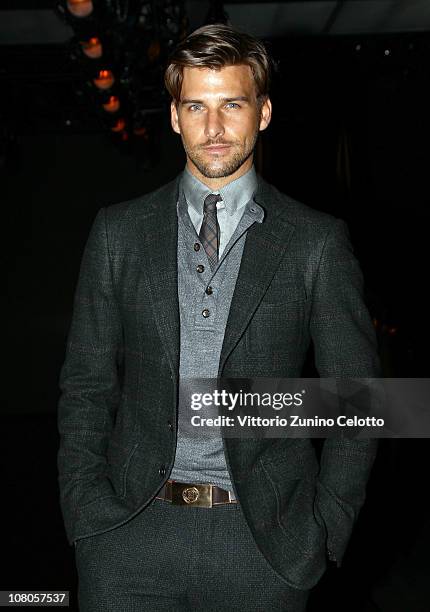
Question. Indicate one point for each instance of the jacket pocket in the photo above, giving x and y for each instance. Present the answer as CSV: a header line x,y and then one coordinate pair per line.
x,y
295,516
119,458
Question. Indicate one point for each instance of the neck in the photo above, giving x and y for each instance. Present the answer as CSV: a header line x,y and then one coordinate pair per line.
x,y
215,184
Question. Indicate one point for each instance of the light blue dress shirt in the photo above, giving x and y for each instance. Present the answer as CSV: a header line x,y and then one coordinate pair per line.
x,y
235,196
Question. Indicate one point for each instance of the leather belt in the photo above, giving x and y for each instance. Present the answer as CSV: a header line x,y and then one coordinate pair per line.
x,y
188,494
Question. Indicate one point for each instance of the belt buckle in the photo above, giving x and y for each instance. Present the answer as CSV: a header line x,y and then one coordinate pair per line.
x,y
199,495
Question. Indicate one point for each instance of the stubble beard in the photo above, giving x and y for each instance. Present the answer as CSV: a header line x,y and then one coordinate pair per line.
x,y
219,167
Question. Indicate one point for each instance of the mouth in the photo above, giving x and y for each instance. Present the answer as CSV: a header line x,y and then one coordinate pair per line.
x,y
221,148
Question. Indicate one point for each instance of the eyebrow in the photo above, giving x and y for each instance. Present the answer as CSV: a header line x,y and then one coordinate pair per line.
x,y
235,99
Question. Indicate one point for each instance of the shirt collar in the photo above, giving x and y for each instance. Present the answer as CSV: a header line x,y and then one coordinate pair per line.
x,y
235,194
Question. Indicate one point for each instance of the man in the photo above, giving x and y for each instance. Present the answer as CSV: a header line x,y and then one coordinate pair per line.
x,y
214,274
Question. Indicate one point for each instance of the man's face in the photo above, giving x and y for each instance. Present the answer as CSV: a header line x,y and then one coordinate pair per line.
x,y
218,118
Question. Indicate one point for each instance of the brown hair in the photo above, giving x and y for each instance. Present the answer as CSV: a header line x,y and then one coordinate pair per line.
x,y
215,46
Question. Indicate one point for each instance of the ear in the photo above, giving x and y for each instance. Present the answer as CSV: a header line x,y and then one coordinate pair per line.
x,y
174,117
265,114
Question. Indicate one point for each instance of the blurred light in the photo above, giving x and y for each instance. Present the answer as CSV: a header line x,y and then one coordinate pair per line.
x,y
104,80
124,136
112,105
392,331
387,52
119,125
80,8
92,47
375,322
140,131
358,47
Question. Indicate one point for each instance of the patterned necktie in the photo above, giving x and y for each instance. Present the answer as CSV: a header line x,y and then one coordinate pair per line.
x,y
209,231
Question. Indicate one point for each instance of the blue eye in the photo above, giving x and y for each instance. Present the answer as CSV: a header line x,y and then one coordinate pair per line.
x,y
195,107
233,104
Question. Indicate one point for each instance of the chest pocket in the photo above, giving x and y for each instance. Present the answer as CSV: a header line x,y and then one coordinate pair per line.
x,y
277,324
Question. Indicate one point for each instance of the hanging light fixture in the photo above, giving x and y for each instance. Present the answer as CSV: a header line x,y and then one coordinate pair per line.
x,y
112,105
92,48
121,45
104,79
80,8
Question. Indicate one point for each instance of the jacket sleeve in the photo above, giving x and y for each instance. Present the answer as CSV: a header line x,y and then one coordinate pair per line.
x,y
345,346
89,382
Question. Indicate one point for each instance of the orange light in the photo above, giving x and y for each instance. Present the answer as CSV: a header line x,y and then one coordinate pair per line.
x,y
124,136
104,80
119,126
92,47
112,105
140,131
80,8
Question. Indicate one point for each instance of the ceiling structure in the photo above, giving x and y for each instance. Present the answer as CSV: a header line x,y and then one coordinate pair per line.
x,y
46,89
36,22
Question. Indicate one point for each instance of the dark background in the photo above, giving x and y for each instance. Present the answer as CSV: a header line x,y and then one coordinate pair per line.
x,y
349,136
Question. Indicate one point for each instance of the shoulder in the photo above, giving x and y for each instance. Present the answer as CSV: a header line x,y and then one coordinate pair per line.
x,y
314,232
132,210
301,215
122,221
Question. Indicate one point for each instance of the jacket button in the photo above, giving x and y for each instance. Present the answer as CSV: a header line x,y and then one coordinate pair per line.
x,y
170,425
205,313
209,290
162,471
196,246
200,268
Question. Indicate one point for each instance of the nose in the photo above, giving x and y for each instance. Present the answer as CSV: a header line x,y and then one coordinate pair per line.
x,y
214,127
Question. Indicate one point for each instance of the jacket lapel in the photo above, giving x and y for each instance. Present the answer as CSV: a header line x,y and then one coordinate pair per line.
x,y
159,244
264,247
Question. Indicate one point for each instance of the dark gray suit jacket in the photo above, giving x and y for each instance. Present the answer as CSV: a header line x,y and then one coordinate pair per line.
x,y
298,281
